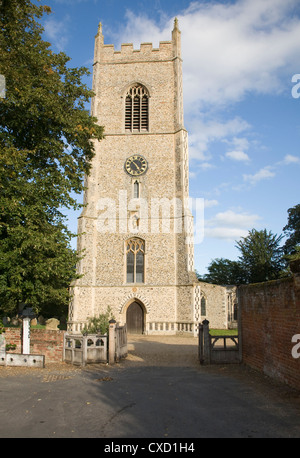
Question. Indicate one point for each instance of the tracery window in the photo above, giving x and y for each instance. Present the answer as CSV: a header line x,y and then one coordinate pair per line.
x,y
137,109
135,260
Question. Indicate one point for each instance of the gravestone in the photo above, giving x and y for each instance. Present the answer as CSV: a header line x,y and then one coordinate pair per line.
x,y
52,324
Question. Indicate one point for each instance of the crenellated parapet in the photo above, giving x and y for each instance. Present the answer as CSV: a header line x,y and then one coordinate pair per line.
x,y
167,50
145,53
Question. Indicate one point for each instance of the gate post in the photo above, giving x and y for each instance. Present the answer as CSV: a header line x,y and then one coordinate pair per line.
x,y
206,339
200,344
84,350
112,341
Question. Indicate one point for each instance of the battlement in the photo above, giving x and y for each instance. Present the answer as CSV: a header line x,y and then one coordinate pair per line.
x,y
106,53
145,53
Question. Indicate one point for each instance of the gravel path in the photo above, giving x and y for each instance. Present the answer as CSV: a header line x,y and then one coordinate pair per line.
x,y
173,351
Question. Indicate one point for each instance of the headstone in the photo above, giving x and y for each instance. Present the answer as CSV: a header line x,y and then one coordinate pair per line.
x,y
52,324
15,321
41,320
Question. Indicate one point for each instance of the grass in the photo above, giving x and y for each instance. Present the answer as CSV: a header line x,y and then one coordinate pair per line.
x,y
223,332
37,326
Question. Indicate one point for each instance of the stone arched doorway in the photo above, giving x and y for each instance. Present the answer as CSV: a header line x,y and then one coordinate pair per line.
x,y
135,318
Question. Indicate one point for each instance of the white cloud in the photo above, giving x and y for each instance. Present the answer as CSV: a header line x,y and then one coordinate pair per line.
x,y
238,156
289,159
225,233
56,32
230,225
270,171
231,218
139,29
240,143
205,131
262,174
210,203
232,49
228,49
206,166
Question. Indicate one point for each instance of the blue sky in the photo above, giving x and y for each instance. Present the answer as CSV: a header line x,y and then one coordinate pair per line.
x,y
240,108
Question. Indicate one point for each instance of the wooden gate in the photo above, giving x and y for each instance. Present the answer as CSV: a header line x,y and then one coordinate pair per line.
x,y
135,319
121,342
217,349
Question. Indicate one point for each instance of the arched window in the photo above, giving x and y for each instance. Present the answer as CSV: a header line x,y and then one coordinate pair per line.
x,y
137,109
135,260
136,189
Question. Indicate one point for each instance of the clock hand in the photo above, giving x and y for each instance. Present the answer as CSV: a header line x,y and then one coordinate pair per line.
x,y
136,166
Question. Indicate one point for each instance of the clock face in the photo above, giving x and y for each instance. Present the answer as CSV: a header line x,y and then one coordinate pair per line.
x,y
136,165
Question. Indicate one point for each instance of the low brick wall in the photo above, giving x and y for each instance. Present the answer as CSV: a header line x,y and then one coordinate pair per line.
x,y
42,342
47,342
269,318
14,336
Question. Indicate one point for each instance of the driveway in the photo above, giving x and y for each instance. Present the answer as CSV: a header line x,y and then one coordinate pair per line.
x,y
158,392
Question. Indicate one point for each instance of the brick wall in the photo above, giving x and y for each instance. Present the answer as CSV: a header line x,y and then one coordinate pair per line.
x,y
42,342
14,336
270,317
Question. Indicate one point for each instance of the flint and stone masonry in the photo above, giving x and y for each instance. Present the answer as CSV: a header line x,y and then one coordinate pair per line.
x,y
140,268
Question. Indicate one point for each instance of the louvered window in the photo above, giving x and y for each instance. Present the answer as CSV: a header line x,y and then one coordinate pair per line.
x,y
137,109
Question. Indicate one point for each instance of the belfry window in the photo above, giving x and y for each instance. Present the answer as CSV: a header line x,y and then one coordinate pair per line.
x,y
135,260
137,109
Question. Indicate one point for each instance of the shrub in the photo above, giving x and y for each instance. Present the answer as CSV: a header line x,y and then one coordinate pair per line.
x,y
98,325
2,328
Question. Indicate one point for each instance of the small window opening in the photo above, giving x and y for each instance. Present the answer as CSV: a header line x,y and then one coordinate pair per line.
x,y
203,306
136,189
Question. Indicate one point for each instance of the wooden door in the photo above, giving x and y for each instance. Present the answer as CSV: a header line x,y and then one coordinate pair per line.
x,y
135,319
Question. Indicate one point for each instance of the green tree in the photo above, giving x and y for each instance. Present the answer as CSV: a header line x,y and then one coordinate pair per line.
x,y
46,146
224,272
292,230
261,255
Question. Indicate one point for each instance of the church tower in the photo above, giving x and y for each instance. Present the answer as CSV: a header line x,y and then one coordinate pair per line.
x,y
136,229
